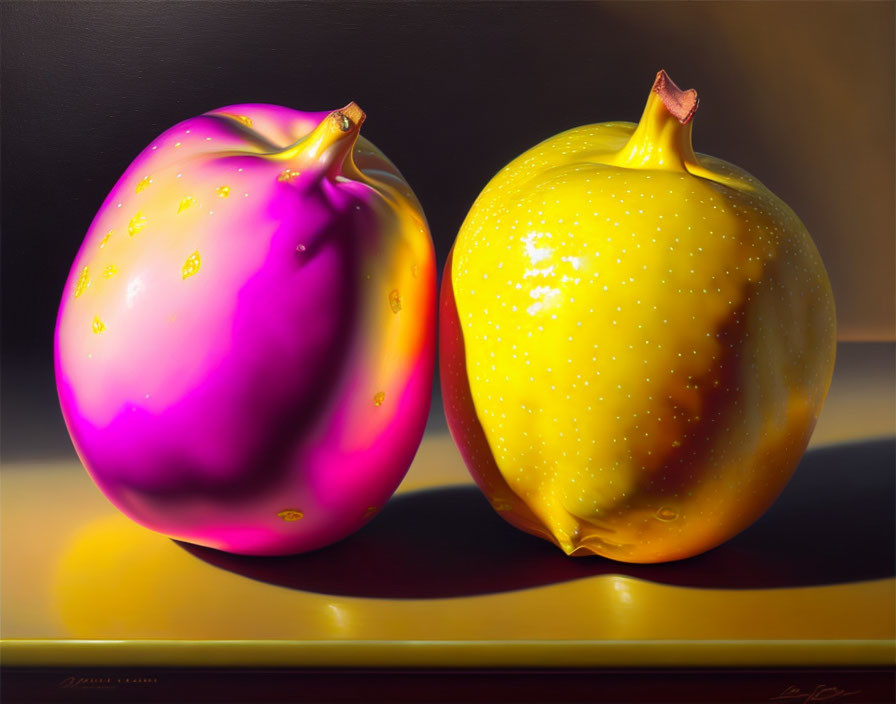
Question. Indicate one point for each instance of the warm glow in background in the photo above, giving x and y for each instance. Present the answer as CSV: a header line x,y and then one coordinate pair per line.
x,y
800,94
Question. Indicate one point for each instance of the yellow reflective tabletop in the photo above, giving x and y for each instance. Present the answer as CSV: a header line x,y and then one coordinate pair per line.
x,y
439,580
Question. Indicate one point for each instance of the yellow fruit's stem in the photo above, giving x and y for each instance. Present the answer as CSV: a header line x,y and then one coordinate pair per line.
x,y
662,139
331,142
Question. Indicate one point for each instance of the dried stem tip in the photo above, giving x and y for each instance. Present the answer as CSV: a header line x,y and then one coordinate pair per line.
x,y
682,104
348,117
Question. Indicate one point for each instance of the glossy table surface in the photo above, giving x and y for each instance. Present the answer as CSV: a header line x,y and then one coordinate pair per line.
x,y
439,580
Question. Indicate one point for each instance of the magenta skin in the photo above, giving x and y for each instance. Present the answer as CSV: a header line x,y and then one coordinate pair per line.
x,y
245,344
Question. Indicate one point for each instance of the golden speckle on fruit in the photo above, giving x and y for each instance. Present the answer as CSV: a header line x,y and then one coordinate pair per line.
x,y
143,183
290,514
394,300
378,398
666,514
105,239
191,266
186,202
247,121
288,175
83,282
137,223
97,325
109,271
223,191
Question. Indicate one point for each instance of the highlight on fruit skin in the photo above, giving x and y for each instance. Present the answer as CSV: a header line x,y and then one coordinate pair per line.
x,y
230,360
636,340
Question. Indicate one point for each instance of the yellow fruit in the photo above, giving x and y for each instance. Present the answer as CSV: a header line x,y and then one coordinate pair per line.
x,y
637,340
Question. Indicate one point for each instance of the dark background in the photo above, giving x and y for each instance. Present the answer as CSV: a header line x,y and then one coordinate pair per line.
x,y
799,94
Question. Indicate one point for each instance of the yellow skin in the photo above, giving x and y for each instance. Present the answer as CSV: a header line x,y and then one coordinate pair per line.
x,y
649,338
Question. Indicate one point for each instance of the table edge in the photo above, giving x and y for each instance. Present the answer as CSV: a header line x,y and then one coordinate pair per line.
x,y
447,653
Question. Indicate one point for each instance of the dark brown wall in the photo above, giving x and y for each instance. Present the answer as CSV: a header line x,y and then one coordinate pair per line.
x,y
801,95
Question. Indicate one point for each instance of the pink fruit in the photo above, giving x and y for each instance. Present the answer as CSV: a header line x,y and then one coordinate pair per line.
x,y
245,344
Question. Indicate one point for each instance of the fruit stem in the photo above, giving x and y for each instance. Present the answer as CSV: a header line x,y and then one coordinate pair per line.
x,y
662,139
331,142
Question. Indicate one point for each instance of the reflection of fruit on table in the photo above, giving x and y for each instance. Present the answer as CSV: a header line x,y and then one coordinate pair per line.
x,y
437,579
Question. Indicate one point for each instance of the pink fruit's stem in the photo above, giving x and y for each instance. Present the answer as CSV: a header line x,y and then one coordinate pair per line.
x,y
331,142
351,112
